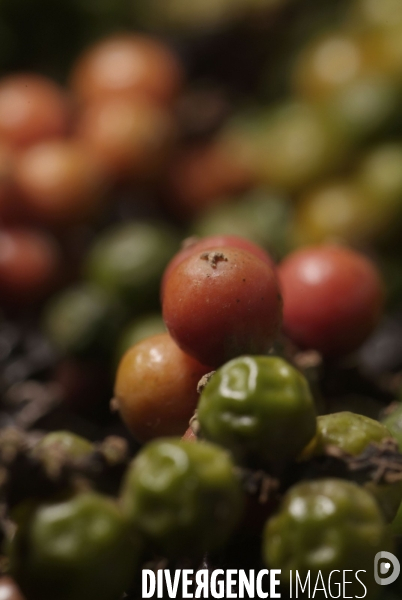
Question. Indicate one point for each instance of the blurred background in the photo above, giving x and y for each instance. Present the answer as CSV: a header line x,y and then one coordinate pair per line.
x,y
127,126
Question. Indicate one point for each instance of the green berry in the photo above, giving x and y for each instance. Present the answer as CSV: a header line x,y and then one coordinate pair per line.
x,y
326,525
72,445
183,497
74,549
260,408
393,423
349,431
83,320
352,433
129,260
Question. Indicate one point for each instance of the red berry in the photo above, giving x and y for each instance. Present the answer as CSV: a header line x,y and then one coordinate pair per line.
x,y
29,261
203,176
189,435
333,298
59,182
216,241
7,193
221,303
130,138
131,66
32,108
156,388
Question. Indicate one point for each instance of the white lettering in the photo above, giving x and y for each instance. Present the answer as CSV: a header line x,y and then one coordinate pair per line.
x,y
248,584
365,589
201,579
187,582
230,582
217,593
345,582
260,575
148,592
336,584
159,577
273,583
321,589
303,588
172,588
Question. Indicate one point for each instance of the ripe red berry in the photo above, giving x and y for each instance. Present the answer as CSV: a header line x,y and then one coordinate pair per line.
x,y
203,176
131,66
333,297
221,303
32,108
216,241
130,138
59,182
7,193
189,435
29,261
156,388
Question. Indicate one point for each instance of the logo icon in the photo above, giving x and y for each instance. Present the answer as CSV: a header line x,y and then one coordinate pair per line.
x,y
382,568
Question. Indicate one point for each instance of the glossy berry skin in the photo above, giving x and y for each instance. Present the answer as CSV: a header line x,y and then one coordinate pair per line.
x,y
191,246
349,431
32,108
29,261
260,408
156,388
134,66
333,298
78,546
183,497
136,331
352,433
325,525
222,303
